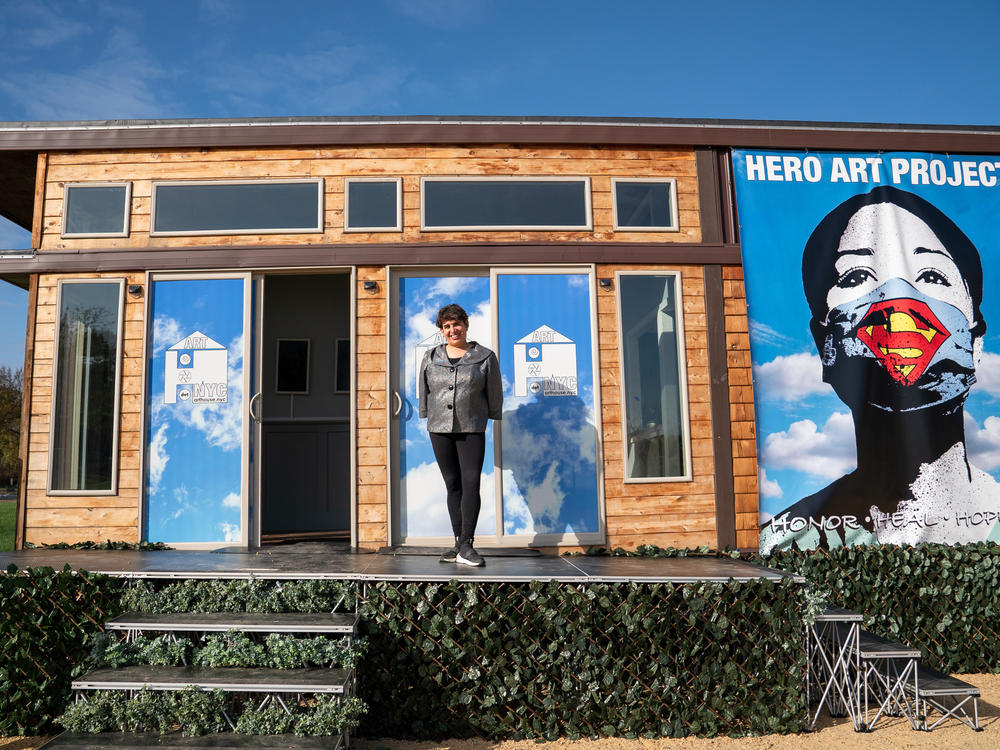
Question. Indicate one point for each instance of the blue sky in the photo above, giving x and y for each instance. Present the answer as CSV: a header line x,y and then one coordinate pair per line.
x,y
886,62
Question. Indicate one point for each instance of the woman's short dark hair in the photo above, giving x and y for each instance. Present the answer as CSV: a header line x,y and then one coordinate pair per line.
x,y
451,312
819,273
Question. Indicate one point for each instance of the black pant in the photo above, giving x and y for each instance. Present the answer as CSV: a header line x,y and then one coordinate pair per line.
x,y
460,457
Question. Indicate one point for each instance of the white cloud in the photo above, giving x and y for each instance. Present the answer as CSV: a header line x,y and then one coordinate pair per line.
x,y
219,10
230,532
43,25
516,513
232,500
181,502
166,333
767,487
829,452
764,334
451,286
791,377
983,443
425,501
120,80
443,14
545,501
988,374
158,458
319,76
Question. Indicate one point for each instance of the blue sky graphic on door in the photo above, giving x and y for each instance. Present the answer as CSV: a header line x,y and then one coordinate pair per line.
x,y
195,407
549,430
422,505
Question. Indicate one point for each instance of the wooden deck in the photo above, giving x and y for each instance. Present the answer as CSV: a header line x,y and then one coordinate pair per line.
x,y
334,562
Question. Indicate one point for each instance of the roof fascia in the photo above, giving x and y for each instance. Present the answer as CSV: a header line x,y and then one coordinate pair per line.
x,y
719,134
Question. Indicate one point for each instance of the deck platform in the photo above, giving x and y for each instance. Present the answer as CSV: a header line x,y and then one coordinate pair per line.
x,y
335,562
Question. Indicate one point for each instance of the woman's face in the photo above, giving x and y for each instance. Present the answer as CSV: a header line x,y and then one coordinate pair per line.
x,y
900,304
454,332
884,241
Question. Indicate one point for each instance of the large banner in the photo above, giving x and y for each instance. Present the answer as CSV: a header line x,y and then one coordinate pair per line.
x,y
875,338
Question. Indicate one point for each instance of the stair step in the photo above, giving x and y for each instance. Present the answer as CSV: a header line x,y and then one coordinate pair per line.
x,y
221,741
230,679
934,683
872,647
292,622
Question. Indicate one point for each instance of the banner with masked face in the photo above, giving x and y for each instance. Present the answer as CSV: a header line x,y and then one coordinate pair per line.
x,y
875,339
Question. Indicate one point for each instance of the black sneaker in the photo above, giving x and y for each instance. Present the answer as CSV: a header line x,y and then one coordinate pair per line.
x,y
449,555
468,556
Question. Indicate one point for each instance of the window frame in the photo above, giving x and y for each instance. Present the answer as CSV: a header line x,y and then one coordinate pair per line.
x,y
682,377
674,217
127,209
398,227
116,439
319,228
587,226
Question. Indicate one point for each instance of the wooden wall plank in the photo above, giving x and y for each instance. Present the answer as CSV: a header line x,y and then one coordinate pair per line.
x,y
41,180
27,383
334,164
117,515
667,513
741,412
370,410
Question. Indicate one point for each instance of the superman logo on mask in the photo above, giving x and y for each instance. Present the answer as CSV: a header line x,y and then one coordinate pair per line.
x,y
904,335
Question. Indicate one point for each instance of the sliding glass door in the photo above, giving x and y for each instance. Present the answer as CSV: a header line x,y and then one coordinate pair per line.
x,y
541,479
197,442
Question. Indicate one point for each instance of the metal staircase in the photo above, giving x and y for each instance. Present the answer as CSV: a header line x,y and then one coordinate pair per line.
x,y
264,686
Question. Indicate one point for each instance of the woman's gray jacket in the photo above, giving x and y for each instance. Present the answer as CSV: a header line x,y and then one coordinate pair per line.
x,y
459,397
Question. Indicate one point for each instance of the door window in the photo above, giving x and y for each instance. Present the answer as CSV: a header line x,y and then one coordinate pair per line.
x,y
195,477
421,510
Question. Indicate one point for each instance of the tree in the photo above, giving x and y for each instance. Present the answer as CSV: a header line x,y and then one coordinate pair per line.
x,y
10,424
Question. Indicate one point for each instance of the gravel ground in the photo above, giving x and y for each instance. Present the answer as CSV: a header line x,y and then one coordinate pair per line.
x,y
894,733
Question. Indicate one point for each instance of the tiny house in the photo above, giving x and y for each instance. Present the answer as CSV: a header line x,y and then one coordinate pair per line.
x,y
225,319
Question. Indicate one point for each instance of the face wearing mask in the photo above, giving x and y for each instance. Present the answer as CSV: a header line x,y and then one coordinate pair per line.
x,y
899,332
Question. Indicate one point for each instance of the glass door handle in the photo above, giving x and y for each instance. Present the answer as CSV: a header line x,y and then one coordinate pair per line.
x,y
254,398
399,403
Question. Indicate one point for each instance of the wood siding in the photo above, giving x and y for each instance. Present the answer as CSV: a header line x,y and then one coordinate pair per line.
x,y
744,432
51,518
372,415
668,514
675,514
142,167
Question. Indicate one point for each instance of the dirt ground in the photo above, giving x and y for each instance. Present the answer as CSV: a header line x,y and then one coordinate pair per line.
x,y
894,733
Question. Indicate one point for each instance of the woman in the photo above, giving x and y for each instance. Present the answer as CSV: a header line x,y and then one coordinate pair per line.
x,y
459,390
895,289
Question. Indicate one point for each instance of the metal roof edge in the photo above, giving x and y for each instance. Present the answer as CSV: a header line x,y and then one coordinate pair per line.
x,y
622,122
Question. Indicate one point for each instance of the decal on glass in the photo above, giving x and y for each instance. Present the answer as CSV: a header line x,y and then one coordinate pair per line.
x,y
545,363
196,370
